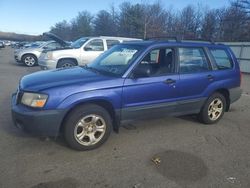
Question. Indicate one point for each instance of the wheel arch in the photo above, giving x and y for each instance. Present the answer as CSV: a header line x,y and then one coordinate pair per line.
x,y
100,102
25,54
226,94
67,58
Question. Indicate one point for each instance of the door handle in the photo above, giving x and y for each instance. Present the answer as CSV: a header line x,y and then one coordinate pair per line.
x,y
210,77
169,81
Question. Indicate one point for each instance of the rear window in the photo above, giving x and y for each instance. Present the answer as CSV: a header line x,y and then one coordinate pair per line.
x,y
221,58
111,43
192,60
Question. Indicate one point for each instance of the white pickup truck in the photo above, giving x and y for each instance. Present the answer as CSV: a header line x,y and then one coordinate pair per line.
x,y
80,52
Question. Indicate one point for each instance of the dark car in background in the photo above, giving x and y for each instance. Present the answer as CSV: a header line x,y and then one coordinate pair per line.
x,y
2,44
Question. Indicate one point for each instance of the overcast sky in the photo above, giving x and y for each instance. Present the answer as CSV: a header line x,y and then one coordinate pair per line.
x,y
37,16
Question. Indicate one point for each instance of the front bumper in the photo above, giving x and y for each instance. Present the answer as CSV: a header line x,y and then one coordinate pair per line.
x,y
17,58
47,64
37,122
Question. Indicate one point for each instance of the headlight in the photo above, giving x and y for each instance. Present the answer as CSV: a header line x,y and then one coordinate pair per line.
x,y
34,99
49,55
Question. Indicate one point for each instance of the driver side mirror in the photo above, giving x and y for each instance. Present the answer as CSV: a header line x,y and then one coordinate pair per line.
x,y
45,47
142,71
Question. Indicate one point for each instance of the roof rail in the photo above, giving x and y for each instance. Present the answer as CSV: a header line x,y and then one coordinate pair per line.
x,y
200,40
167,38
116,37
178,39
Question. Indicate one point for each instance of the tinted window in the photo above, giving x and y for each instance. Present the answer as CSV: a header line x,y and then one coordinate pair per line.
x,y
159,62
95,45
192,60
111,43
221,58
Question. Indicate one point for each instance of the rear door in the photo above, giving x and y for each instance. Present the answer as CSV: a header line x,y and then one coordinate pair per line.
x,y
111,42
91,50
224,68
196,75
155,94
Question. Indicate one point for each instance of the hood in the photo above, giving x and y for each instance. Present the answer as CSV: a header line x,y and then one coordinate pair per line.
x,y
27,50
66,48
79,76
56,38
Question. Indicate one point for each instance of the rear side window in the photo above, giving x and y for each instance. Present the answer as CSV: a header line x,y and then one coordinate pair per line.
x,y
192,60
221,58
111,43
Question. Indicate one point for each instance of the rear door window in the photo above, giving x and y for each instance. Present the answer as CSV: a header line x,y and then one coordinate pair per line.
x,y
192,60
221,58
111,43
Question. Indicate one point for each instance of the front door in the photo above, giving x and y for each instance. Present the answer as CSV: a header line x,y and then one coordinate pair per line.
x,y
92,50
152,89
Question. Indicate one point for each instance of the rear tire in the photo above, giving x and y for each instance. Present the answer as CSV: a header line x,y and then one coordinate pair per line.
x,y
213,109
29,60
87,127
66,63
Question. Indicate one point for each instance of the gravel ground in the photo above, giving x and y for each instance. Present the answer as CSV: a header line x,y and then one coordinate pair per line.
x,y
169,152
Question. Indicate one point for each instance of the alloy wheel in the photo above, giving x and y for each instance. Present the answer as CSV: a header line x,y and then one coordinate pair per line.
x,y
29,61
215,109
89,130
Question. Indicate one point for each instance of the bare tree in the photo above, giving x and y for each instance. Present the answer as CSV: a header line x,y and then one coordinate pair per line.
x,y
233,23
210,25
144,20
131,20
155,20
62,29
103,23
188,22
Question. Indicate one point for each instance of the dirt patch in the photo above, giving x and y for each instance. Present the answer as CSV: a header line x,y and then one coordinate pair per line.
x,y
180,166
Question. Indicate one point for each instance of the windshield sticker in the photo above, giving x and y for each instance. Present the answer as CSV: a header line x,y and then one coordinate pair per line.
x,y
126,51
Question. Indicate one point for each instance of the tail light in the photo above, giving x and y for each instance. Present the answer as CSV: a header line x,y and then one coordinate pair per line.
x,y
240,78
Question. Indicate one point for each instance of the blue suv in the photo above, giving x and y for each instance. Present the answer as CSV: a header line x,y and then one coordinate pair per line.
x,y
132,80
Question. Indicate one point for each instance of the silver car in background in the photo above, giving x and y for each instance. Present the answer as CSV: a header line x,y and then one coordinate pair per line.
x,y
82,51
29,56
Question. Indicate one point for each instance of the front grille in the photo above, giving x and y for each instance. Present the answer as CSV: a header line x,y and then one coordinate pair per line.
x,y
43,67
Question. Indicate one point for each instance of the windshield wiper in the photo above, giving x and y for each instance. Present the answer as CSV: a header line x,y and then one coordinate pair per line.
x,y
91,68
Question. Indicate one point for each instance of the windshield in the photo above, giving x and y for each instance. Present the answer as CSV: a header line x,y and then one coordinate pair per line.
x,y
116,60
78,43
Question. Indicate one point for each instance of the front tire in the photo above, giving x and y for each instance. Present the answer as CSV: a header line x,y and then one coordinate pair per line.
x,y
66,63
29,60
87,127
213,110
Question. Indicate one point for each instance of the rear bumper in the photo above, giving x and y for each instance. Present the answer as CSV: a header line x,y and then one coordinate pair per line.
x,y
235,94
41,123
